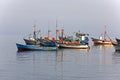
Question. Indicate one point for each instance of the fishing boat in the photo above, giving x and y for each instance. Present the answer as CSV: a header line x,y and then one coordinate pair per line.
x,y
32,39
118,40
74,46
22,47
48,43
116,46
80,37
79,42
102,41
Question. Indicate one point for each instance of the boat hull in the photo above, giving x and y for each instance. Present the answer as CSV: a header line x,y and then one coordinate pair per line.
x,y
22,47
101,42
116,46
74,46
118,40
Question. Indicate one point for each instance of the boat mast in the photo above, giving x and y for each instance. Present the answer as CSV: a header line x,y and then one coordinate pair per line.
x,y
49,33
40,35
56,29
105,33
34,32
62,33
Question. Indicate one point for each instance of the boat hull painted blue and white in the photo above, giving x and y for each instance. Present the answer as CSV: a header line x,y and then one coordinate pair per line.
x,y
22,47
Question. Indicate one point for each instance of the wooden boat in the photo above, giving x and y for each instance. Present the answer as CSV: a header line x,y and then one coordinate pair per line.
x,y
22,47
74,46
116,46
80,42
103,41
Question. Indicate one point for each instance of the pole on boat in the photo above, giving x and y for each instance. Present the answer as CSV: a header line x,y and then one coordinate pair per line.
x,y
105,33
56,29
40,34
49,34
48,31
62,33
34,33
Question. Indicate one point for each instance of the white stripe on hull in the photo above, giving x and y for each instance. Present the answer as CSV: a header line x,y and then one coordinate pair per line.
x,y
74,46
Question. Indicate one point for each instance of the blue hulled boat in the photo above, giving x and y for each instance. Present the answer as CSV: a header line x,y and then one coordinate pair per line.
x,y
48,43
22,47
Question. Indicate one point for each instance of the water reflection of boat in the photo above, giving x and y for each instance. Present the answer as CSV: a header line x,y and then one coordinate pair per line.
x,y
116,46
116,57
103,48
117,52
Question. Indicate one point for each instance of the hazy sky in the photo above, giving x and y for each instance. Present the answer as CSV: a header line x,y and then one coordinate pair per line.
x,y
89,16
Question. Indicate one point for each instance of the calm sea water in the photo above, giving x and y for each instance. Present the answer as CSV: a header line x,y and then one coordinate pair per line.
x,y
98,63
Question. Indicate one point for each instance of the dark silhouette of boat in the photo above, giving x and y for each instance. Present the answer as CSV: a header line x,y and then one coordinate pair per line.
x,y
118,40
116,46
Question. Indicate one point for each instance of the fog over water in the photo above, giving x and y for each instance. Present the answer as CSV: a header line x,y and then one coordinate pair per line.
x,y
89,16
17,18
